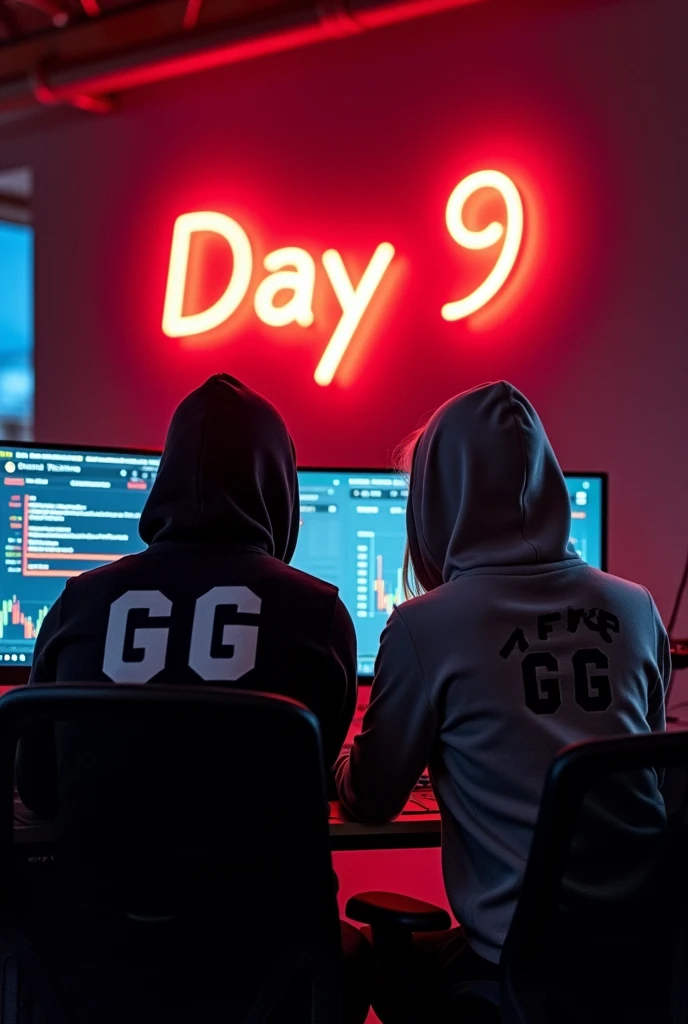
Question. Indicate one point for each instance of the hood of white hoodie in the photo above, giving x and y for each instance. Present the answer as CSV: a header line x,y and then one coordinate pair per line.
x,y
486,488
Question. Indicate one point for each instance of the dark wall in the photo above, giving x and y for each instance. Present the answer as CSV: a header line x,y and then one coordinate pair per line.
x,y
359,141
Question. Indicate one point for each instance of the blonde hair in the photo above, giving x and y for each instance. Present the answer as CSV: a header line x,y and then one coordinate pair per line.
x,y
402,461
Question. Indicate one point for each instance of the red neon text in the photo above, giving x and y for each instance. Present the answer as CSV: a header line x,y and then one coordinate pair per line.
x,y
293,270
489,236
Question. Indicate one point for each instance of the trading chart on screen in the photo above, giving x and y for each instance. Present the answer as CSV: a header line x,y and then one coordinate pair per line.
x,y
353,532
62,511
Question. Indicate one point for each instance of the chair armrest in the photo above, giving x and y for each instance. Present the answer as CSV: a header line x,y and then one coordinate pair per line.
x,y
385,911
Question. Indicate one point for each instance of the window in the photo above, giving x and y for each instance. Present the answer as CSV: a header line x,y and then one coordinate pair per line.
x,y
16,307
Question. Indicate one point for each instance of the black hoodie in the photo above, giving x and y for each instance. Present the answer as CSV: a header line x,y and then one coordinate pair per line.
x,y
212,599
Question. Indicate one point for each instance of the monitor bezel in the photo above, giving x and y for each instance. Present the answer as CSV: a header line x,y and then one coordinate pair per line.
x,y
15,675
601,475
18,675
62,447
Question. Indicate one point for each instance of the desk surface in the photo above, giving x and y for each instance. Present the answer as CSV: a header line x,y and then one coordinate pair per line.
x,y
416,827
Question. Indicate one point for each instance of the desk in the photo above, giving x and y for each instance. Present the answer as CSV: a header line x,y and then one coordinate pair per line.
x,y
413,829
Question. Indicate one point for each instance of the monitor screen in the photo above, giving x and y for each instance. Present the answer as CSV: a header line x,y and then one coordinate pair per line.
x,y
353,529
64,510
16,320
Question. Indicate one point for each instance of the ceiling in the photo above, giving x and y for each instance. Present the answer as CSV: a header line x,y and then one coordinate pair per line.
x,y
50,50
84,53
45,21
22,18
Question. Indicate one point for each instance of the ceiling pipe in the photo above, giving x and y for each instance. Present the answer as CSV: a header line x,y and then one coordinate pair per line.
x,y
46,97
200,49
57,14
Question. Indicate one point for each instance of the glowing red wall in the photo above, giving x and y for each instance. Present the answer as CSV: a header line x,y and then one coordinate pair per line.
x,y
355,142
359,141
362,140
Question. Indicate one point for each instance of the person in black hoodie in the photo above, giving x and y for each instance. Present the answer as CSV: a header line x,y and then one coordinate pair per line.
x,y
221,524
212,600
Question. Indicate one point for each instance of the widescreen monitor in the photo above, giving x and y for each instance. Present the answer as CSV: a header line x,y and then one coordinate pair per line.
x,y
64,510
68,509
353,530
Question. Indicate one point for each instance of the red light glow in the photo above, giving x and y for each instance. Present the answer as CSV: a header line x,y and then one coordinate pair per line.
x,y
354,302
175,323
292,273
290,269
300,281
485,238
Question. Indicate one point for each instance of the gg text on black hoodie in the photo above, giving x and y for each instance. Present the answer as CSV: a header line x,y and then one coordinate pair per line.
x,y
212,600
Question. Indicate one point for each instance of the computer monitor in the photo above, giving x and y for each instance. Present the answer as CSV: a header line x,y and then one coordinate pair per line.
x,y
353,530
64,510
69,509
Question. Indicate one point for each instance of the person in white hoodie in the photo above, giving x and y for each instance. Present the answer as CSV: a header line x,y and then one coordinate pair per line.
x,y
514,648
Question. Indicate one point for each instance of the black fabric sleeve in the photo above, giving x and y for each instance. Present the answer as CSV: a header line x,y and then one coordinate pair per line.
x,y
340,702
36,756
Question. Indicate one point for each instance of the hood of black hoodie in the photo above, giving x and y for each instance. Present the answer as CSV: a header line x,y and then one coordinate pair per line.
x,y
486,488
227,473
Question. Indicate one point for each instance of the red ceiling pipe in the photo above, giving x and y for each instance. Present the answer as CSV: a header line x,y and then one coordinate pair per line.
x,y
201,49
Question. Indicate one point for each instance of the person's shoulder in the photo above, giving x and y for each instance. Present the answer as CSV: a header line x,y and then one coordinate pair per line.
x,y
417,614
304,598
617,585
303,581
631,601
101,575
429,603
91,589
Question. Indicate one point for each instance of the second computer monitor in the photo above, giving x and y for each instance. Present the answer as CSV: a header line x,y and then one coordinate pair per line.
x,y
64,510
353,531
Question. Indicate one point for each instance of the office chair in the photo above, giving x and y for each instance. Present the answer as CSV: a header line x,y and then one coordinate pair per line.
x,y
587,958
193,877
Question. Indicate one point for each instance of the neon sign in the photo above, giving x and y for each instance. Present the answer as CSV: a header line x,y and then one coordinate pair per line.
x,y
513,236
293,270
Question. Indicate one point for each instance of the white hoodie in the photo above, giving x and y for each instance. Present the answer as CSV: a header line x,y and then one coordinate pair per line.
x,y
517,649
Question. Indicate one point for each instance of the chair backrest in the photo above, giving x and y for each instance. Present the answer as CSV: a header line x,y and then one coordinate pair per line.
x,y
618,950
196,818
